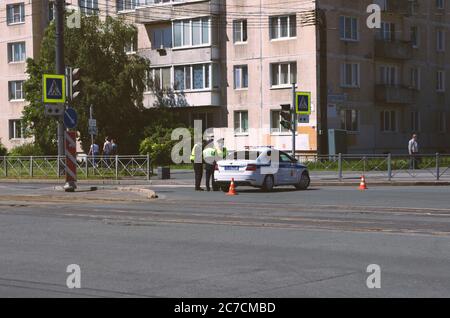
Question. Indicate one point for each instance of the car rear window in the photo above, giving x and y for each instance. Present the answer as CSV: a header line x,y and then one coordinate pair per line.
x,y
244,155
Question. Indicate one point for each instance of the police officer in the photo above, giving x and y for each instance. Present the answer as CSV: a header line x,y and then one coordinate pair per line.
x,y
221,153
209,156
197,161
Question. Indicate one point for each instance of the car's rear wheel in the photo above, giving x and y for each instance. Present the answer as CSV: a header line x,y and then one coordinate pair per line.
x,y
268,183
304,182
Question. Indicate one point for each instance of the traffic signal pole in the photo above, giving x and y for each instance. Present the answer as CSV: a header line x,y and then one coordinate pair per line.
x,y
294,120
59,45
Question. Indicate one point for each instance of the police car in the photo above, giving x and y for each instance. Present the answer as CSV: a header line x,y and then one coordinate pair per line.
x,y
263,167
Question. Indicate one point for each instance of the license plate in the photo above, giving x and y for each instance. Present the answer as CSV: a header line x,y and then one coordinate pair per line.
x,y
231,168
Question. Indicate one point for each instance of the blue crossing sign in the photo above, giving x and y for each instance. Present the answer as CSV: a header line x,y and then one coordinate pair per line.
x,y
54,88
303,103
70,118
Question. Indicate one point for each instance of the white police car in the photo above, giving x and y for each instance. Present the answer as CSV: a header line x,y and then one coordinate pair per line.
x,y
261,167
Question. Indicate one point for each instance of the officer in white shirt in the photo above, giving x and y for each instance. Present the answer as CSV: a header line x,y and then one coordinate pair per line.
x,y
413,150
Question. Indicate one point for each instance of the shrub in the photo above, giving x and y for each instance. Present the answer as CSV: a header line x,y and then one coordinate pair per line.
x,y
3,150
28,149
158,146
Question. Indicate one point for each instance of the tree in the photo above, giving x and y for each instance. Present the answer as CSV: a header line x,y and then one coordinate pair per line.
x,y
112,81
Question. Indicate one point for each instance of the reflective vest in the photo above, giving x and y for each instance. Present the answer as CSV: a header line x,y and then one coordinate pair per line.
x,y
194,153
221,153
209,155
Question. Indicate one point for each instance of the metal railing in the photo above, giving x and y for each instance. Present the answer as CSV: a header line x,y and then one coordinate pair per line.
x,y
387,167
88,167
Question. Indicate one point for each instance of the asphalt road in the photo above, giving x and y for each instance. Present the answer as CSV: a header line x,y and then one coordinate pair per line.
x,y
315,243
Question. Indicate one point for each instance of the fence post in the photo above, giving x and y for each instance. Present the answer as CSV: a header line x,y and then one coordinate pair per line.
x,y
389,166
117,167
5,166
31,167
87,167
58,168
340,167
438,172
148,167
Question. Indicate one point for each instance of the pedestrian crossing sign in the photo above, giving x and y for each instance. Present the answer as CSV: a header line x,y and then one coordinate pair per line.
x,y
54,88
303,103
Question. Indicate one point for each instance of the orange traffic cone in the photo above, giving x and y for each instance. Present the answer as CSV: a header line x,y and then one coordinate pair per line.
x,y
363,184
232,190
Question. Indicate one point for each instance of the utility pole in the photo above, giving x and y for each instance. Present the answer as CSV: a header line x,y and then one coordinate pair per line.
x,y
294,120
59,63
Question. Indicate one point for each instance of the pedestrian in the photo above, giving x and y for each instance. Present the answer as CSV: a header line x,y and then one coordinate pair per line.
x,y
197,161
94,151
413,150
114,151
107,151
209,157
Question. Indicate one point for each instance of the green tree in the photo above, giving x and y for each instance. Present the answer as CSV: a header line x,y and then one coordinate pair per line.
x,y
112,81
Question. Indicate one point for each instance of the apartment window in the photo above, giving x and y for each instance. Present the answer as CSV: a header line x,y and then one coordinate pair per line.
x,y
415,121
442,122
241,122
191,32
160,78
387,31
388,121
440,4
88,7
195,77
415,78
15,90
283,74
241,76
348,28
349,119
162,38
123,5
415,36
388,75
350,75
16,129
282,27
275,122
440,87
240,31
131,46
440,40
51,11
16,52
15,13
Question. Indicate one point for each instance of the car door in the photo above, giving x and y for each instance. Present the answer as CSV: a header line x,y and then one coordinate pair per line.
x,y
285,169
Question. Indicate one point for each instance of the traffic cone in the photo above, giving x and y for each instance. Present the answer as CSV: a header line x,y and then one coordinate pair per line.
x,y
363,184
232,190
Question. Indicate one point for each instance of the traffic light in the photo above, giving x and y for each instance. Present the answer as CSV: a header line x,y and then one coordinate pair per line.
x,y
286,116
75,83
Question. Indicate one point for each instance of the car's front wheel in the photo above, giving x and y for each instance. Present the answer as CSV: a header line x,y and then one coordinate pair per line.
x,y
304,182
268,183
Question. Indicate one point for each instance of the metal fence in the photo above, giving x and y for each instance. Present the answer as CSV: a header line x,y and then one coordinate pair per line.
x,y
88,167
387,167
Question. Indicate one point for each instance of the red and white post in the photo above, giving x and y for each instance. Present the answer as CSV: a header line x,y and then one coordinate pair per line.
x,y
71,161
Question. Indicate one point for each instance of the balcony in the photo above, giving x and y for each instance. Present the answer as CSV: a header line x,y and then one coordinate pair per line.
x,y
189,98
167,11
170,56
394,94
398,50
401,7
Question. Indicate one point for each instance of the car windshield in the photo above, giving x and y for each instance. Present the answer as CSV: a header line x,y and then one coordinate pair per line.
x,y
244,155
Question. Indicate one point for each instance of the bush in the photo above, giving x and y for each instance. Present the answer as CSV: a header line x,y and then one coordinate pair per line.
x,y
3,150
29,149
158,146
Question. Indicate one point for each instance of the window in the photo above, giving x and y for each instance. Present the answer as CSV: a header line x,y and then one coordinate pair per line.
x,y
51,11
415,36
240,77
440,40
283,27
387,31
15,13
440,4
162,38
415,78
349,119
195,77
131,46
348,28
388,75
16,90
160,78
350,75
88,7
415,121
16,52
440,86
283,74
16,129
123,5
241,122
442,122
275,119
191,32
240,31
388,121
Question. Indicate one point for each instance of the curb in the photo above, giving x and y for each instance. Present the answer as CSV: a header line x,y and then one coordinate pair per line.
x,y
150,194
380,184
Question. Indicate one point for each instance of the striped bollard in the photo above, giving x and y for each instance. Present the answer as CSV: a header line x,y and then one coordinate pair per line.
x,y
71,161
